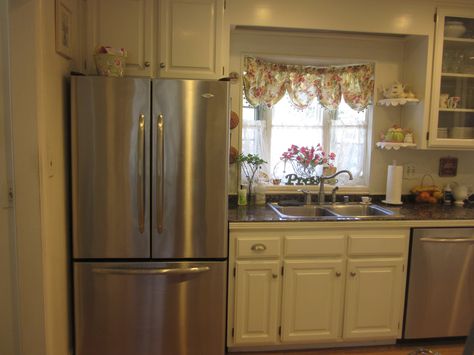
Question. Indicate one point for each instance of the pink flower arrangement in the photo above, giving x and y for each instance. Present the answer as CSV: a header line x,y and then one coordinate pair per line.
x,y
305,159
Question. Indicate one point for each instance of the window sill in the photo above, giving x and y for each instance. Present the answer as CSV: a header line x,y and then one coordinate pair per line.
x,y
292,189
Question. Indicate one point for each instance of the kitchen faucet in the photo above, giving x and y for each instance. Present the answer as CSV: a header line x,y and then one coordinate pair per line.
x,y
307,196
321,195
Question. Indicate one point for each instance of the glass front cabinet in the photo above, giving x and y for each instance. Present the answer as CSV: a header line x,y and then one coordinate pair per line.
x,y
452,115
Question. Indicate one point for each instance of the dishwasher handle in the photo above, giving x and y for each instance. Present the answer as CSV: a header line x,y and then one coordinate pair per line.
x,y
447,240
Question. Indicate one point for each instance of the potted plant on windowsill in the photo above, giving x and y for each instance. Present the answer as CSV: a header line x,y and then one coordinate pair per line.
x,y
250,164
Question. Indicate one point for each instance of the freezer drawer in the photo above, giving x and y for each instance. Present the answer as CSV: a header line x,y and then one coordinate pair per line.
x,y
150,308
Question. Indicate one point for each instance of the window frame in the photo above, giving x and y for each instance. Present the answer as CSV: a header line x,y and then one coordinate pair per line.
x,y
343,189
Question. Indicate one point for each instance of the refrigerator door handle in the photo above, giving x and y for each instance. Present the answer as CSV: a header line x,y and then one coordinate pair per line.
x,y
160,164
447,240
159,271
141,173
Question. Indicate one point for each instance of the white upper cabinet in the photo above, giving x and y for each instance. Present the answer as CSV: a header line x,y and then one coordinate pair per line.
x,y
190,39
452,115
124,24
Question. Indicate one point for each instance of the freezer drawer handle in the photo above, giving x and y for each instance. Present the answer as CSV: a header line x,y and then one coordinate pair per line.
x,y
160,174
141,173
447,240
164,271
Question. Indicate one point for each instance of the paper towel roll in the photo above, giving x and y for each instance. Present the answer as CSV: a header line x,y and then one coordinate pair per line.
x,y
394,184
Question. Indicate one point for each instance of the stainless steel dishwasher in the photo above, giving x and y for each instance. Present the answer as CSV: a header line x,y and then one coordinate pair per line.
x,y
441,283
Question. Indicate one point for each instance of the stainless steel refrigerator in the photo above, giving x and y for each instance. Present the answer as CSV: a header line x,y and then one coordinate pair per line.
x,y
149,215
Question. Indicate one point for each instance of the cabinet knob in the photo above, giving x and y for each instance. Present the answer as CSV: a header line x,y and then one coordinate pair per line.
x,y
258,247
353,273
162,65
275,276
338,273
147,64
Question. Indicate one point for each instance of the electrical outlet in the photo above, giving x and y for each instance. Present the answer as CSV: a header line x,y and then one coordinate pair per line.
x,y
409,171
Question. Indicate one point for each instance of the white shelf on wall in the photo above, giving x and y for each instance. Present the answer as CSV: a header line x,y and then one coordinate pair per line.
x,y
398,102
394,146
456,109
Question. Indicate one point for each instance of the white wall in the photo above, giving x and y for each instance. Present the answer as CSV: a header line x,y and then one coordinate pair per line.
x,y
389,55
53,132
8,304
40,130
24,85
402,16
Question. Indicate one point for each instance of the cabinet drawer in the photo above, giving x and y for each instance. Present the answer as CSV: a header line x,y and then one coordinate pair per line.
x,y
376,245
250,247
306,246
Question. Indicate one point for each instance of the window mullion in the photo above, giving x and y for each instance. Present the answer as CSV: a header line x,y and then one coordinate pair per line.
x,y
326,143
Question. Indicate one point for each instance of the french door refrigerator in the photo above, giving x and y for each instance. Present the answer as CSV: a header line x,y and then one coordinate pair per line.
x,y
149,215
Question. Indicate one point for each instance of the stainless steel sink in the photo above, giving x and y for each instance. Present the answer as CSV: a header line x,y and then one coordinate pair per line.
x,y
359,210
333,211
302,211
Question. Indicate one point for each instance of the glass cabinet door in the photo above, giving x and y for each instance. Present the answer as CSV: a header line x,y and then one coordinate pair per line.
x,y
452,115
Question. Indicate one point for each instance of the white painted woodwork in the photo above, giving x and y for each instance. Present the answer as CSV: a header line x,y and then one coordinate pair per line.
x,y
466,95
190,39
381,244
124,24
314,245
257,247
373,298
321,303
256,310
312,300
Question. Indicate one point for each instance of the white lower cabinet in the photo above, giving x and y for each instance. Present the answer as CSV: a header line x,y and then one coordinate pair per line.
x,y
373,298
303,286
311,300
257,285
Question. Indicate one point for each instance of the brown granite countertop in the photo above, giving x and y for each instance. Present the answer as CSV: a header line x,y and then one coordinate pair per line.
x,y
406,212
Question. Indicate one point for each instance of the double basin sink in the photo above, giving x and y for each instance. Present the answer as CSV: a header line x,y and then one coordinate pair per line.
x,y
333,211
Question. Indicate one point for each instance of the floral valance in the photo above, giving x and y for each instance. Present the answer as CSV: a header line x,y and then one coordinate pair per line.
x,y
266,83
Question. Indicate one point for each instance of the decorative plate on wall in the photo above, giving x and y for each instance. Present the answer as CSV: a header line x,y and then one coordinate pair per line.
x,y
234,120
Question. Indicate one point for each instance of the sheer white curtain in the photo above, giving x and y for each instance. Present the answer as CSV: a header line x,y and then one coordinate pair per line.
x,y
271,131
348,139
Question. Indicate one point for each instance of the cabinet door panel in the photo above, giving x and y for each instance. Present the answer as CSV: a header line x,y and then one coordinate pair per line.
x,y
124,24
452,108
312,300
257,286
374,292
190,33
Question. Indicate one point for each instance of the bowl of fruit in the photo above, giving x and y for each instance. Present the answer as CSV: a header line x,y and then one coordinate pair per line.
x,y
427,193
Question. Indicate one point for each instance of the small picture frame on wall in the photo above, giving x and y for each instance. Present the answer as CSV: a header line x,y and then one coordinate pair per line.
x,y
63,30
448,167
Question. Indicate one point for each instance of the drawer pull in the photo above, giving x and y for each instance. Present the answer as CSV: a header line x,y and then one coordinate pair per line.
x,y
258,247
275,276
338,273
353,273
